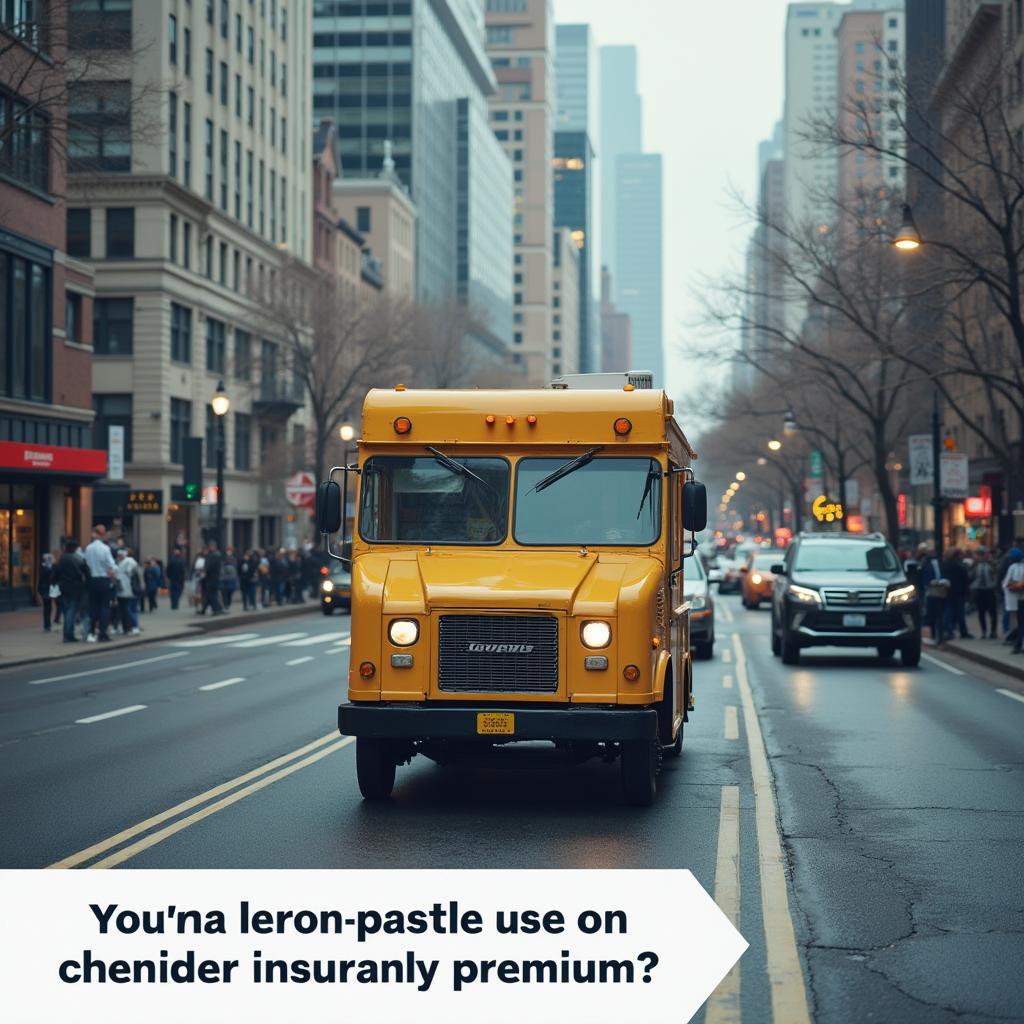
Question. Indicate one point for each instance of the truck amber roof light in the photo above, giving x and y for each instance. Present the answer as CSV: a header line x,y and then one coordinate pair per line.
x,y
628,387
532,420
399,387
510,421
490,419
403,425
623,426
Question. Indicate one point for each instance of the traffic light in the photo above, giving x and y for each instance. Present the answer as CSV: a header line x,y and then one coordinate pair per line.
x,y
192,478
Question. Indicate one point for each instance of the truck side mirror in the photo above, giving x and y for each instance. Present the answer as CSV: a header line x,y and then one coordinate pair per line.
x,y
328,507
695,506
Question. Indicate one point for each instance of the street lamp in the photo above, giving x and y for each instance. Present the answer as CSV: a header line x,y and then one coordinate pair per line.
x,y
741,476
774,446
789,425
220,404
908,237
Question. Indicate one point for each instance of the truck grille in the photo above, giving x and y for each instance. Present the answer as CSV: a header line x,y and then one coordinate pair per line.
x,y
854,598
497,654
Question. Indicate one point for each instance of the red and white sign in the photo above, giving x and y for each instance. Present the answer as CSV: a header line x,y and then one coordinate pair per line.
x,y
51,459
978,507
300,489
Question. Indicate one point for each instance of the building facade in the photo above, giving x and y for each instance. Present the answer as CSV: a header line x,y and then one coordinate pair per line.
x,y
640,257
48,462
520,43
616,330
576,172
190,195
565,296
621,132
415,76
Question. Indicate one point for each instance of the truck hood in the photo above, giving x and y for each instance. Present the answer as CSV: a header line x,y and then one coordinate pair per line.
x,y
591,584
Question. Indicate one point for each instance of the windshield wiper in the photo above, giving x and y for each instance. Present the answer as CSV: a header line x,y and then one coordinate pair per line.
x,y
457,467
565,470
652,475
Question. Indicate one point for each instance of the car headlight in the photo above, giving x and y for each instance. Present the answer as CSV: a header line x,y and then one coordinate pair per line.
x,y
697,603
804,594
901,595
596,634
328,586
756,578
404,632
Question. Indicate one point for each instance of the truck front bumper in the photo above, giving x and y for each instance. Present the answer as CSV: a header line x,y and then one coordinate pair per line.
x,y
434,722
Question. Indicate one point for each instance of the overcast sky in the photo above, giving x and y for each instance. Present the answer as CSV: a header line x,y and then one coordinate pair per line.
x,y
711,77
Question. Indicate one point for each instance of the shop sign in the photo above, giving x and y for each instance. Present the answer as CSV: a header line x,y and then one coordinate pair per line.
x,y
901,509
146,502
979,507
922,469
52,459
953,475
826,511
115,453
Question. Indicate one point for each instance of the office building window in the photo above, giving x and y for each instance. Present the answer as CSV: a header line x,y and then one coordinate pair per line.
x,y
243,354
250,45
222,275
186,245
181,427
215,332
79,233
284,135
112,411
248,187
99,129
120,233
262,207
250,106
224,170
112,326
238,180
186,127
273,205
225,18
237,273
174,238
210,439
209,71
208,257
181,333
172,39
72,316
172,135
24,329
362,218
223,84
238,33
187,40
243,441
209,160
238,95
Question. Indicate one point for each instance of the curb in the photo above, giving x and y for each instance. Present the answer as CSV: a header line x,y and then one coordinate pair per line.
x,y
999,665
204,625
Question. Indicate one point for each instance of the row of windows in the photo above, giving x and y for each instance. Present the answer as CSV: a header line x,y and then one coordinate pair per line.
x,y
24,329
24,142
358,9
328,40
120,233
181,428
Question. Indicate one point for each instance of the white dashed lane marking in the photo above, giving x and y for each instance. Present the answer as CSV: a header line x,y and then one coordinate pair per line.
x,y
223,683
110,714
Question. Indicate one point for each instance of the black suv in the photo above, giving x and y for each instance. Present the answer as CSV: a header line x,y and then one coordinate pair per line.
x,y
844,590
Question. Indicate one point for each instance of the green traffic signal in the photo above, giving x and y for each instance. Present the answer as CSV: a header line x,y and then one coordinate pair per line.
x,y
191,492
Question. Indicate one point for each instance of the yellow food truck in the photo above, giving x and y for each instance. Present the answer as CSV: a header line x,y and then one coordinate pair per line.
x,y
517,562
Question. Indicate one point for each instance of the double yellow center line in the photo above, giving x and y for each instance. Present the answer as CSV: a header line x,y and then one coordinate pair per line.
x,y
208,803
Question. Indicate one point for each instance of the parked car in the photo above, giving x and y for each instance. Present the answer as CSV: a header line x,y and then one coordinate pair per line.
x,y
336,588
756,577
844,590
697,591
730,570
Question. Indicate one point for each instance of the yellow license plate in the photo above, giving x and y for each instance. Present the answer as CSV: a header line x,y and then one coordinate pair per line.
x,y
495,723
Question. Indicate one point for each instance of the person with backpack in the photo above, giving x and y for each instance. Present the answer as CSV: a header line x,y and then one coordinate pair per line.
x,y
228,577
247,568
70,575
153,578
129,590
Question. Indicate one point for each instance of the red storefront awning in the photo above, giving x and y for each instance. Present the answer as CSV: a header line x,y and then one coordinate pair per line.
x,y
44,458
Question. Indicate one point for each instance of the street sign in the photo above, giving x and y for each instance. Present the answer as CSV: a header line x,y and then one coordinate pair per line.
x,y
954,470
151,502
115,453
300,489
922,471
817,465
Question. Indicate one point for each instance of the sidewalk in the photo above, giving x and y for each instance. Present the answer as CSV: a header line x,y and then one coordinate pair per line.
x,y
23,641
990,653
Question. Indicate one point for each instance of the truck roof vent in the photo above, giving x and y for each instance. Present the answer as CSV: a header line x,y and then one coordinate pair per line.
x,y
642,380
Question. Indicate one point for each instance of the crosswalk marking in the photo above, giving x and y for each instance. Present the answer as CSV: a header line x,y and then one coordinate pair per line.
x,y
222,638
319,638
266,641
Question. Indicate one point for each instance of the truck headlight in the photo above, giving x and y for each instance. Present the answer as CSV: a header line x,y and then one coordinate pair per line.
x,y
901,595
328,586
404,632
804,594
596,634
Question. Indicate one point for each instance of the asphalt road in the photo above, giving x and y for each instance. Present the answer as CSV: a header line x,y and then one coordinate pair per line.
x,y
900,805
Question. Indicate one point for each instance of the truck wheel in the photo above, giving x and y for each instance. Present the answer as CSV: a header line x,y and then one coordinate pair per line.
x,y
375,768
790,649
910,652
640,771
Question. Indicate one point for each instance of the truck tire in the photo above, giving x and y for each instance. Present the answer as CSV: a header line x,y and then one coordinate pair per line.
x,y
640,771
375,768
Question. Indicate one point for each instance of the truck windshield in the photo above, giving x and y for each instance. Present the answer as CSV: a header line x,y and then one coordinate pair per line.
x,y
607,501
418,500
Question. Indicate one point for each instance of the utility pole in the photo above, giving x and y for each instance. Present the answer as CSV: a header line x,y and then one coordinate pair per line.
x,y
937,500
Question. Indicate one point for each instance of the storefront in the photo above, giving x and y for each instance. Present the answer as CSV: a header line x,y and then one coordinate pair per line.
x,y
45,496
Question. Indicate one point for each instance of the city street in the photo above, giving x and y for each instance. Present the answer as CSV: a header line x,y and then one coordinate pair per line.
x,y
899,800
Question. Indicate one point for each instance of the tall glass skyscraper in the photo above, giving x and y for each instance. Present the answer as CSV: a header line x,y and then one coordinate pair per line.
x,y
415,72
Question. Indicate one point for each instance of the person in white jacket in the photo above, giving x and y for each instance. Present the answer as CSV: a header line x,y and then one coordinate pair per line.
x,y
1013,593
127,572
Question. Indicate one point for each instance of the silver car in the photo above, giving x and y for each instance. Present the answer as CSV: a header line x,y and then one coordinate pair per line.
x,y
697,591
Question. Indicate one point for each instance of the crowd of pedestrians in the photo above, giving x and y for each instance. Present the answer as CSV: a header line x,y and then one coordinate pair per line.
x,y
101,590
989,584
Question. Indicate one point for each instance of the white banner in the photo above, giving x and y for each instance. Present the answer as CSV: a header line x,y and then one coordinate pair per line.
x,y
354,946
922,468
954,475
115,453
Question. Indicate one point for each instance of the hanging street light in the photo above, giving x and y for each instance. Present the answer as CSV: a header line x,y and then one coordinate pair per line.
x,y
908,238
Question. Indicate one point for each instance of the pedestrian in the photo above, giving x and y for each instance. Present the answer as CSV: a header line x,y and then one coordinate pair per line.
x,y
129,589
229,577
153,577
175,577
211,581
983,592
279,575
101,568
1013,585
1001,571
44,586
295,580
195,583
247,567
263,573
955,613
935,588
70,575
